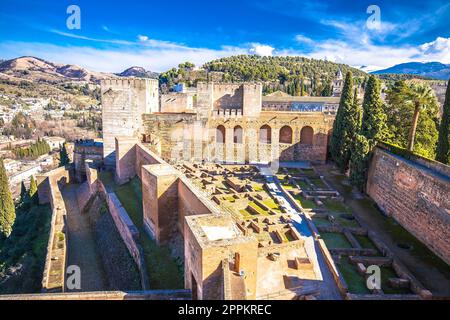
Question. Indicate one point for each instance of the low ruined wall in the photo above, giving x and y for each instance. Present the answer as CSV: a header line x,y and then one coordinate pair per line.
x,y
55,263
415,195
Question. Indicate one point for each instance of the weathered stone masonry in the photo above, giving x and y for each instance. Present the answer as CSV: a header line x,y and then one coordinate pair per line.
x,y
415,194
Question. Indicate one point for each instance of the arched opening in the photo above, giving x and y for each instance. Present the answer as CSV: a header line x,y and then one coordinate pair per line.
x,y
220,134
265,134
237,134
306,136
286,135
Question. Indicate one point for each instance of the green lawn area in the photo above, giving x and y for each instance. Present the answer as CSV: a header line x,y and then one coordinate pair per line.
x,y
334,205
246,214
321,222
306,204
318,183
164,271
335,240
365,242
258,208
271,204
386,273
356,282
303,185
346,222
107,178
286,185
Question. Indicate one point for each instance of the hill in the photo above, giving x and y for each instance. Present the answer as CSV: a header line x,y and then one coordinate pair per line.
x,y
138,72
294,75
433,70
39,70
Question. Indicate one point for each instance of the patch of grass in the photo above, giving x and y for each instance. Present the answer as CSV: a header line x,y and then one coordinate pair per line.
x,y
260,210
321,221
271,204
334,205
305,203
365,242
303,185
355,281
107,178
335,240
318,183
386,273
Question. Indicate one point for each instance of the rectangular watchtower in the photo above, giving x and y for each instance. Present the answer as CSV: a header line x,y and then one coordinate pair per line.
x,y
124,102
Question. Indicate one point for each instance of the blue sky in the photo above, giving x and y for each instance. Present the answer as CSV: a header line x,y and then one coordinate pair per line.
x,y
160,34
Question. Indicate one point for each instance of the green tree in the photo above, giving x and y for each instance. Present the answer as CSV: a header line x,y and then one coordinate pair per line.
x,y
443,145
374,118
32,192
63,156
7,209
401,111
23,193
346,125
420,96
359,161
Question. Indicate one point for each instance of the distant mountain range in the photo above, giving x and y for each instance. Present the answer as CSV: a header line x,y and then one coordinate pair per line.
x,y
433,70
138,72
39,70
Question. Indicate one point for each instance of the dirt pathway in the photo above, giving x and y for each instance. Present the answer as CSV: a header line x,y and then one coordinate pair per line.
x,y
81,249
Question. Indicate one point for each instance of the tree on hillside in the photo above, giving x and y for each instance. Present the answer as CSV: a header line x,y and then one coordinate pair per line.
x,y
346,125
443,145
23,193
63,156
421,96
359,161
32,192
7,209
374,126
401,109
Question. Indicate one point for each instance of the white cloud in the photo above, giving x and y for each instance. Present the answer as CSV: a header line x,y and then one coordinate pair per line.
x,y
117,59
261,49
303,39
439,49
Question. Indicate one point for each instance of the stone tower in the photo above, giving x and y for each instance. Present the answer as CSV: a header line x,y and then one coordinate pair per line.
x,y
338,84
124,102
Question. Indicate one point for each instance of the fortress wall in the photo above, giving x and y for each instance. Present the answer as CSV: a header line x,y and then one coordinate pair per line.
x,y
55,263
175,102
415,195
190,202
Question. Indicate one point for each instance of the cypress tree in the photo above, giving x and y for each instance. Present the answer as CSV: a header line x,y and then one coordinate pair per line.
x,y
7,209
359,161
63,156
23,193
443,145
32,192
374,125
345,126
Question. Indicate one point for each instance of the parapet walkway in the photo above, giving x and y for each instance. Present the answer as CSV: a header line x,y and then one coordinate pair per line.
x,y
81,250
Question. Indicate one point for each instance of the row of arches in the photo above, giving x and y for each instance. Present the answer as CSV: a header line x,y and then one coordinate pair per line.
x,y
265,135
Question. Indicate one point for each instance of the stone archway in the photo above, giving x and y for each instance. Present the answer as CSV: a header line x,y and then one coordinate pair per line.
x,y
307,136
238,135
286,135
220,134
265,134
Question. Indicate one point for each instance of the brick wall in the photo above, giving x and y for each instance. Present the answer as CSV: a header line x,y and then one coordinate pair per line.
x,y
416,196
